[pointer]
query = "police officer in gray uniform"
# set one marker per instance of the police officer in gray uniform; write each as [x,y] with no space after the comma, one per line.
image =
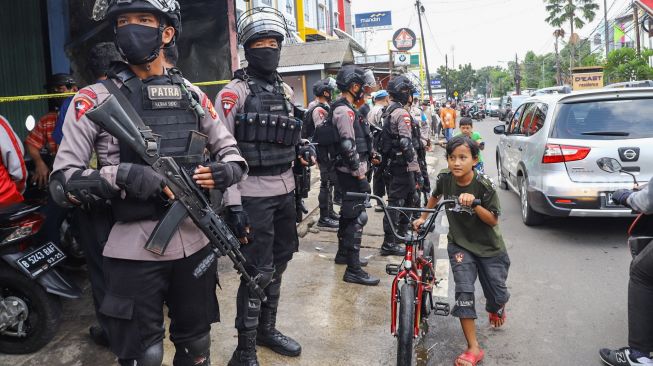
[399,151]
[353,155]
[139,282]
[316,113]
[256,107]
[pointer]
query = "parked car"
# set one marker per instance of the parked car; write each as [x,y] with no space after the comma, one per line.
[492,107]
[547,152]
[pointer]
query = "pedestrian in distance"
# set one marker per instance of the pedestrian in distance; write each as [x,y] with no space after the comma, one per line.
[467,129]
[138,281]
[448,117]
[475,245]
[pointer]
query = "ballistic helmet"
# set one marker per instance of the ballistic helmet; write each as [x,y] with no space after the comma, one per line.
[400,88]
[324,85]
[350,74]
[169,9]
[61,79]
[263,22]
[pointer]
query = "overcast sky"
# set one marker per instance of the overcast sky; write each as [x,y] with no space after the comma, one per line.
[482,32]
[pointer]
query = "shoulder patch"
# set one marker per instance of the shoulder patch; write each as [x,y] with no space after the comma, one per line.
[88,92]
[206,103]
[82,105]
[352,115]
[407,120]
[228,100]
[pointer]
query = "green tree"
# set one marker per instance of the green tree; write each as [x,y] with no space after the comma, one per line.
[575,12]
[623,64]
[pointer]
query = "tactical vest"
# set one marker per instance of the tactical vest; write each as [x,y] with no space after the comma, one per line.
[389,141]
[164,108]
[265,132]
[308,127]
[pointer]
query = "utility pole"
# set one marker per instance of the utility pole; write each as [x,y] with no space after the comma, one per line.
[605,21]
[636,20]
[446,77]
[420,9]
[517,76]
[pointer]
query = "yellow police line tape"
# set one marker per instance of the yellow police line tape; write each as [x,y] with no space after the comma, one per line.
[23,98]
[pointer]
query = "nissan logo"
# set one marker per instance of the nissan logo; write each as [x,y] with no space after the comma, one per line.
[630,154]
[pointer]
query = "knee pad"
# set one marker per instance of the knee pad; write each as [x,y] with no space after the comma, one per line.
[361,220]
[152,356]
[194,353]
[248,309]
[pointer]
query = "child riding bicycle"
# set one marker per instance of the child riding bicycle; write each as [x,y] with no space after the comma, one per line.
[476,247]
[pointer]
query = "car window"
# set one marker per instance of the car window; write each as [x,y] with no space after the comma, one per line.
[605,120]
[533,119]
[515,120]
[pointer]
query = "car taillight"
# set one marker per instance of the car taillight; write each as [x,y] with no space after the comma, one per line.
[555,153]
[22,229]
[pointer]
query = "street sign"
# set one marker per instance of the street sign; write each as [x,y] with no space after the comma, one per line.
[436,83]
[376,20]
[402,58]
[455,94]
[404,39]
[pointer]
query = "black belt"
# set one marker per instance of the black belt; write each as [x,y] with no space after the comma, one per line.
[268,170]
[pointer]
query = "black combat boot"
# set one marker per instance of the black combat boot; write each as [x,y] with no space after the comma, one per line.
[267,334]
[341,258]
[245,353]
[333,215]
[326,221]
[355,274]
[390,248]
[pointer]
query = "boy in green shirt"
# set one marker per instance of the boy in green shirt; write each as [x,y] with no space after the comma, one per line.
[467,129]
[476,247]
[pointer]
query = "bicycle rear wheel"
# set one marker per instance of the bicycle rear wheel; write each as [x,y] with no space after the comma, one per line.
[406,327]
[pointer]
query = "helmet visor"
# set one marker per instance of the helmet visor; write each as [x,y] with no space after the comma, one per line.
[101,7]
[261,21]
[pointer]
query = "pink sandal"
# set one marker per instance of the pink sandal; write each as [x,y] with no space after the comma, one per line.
[469,357]
[499,315]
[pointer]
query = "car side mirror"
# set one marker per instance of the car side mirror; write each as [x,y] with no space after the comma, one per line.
[609,165]
[500,130]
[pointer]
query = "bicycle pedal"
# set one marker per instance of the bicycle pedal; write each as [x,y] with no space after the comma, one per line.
[441,308]
[392,269]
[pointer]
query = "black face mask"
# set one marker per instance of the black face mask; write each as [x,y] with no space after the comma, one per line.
[139,44]
[264,60]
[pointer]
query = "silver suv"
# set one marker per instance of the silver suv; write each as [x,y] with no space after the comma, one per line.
[548,150]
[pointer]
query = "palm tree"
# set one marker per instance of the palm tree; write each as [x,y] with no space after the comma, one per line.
[576,12]
[559,33]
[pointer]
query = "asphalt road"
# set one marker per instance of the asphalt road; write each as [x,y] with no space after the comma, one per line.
[568,282]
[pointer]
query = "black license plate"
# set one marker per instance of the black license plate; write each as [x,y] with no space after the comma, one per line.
[40,260]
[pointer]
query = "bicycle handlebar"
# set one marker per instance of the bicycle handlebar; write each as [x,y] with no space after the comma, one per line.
[426,228]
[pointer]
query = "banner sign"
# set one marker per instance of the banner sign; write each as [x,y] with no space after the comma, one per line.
[587,80]
[376,20]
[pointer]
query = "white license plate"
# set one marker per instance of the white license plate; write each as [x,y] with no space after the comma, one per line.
[40,260]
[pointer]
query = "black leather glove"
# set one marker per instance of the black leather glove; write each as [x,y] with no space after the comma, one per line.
[307,152]
[140,181]
[620,196]
[237,220]
[226,174]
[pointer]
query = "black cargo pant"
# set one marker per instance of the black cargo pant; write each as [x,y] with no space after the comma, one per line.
[93,227]
[352,218]
[272,242]
[380,180]
[640,301]
[401,193]
[136,292]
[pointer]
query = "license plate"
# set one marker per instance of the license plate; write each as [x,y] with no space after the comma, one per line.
[40,260]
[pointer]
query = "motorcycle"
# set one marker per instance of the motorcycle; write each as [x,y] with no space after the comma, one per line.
[640,233]
[31,287]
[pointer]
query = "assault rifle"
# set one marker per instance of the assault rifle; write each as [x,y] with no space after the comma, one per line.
[125,124]
[302,184]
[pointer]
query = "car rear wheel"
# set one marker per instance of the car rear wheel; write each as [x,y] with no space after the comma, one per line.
[528,216]
[503,184]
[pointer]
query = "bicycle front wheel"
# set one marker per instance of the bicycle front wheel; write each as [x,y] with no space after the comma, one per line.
[406,325]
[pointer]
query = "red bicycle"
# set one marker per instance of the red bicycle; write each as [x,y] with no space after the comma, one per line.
[411,300]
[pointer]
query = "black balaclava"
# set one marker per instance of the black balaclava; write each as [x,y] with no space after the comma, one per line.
[263,62]
[139,44]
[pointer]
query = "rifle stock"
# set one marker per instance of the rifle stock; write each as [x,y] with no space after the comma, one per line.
[123,124]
